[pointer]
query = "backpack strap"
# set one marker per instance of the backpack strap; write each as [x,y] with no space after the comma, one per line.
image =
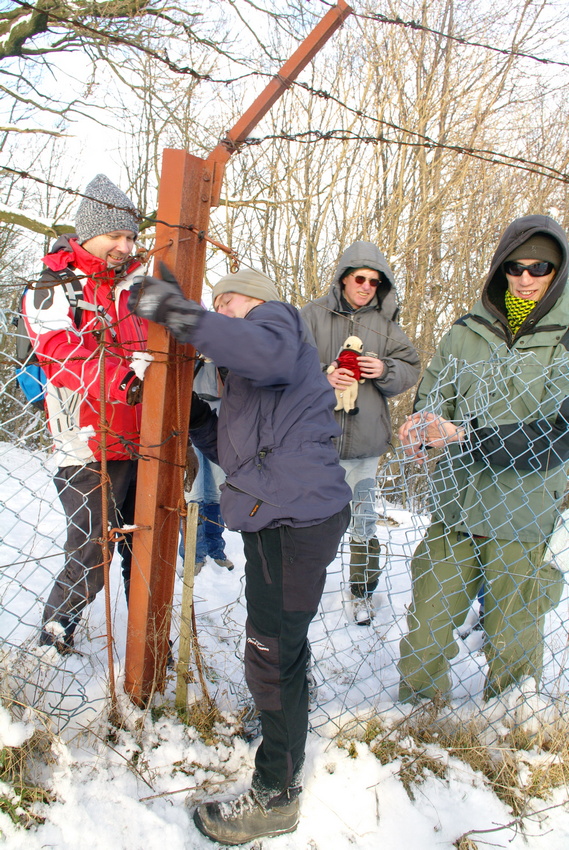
[565,339]
[74,293]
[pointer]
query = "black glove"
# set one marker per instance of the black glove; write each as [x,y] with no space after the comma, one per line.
[200,411]
[134,392]
[151,298]
[163,301]
[133,386]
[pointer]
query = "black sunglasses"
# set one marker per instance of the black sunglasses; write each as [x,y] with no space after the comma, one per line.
[360,278]
[535,270]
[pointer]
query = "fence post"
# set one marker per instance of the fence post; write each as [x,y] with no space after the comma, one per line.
[184,199]
[185,643]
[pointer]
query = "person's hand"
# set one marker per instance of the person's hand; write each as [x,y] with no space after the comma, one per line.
[340,379]
[371,367]
[411,437]
[440,432]
[427,430]
[134,392]
[163,301]
[152,298]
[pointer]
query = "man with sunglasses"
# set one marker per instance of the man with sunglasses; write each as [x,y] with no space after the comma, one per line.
[362,302]
[495,401]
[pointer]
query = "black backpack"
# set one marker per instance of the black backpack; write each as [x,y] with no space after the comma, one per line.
[29,374]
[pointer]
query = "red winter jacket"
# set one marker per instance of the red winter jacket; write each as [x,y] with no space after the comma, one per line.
[72,357]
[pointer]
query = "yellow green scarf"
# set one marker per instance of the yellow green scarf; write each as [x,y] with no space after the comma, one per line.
[517,309]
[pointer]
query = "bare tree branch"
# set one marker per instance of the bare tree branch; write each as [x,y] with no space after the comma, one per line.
[7,128]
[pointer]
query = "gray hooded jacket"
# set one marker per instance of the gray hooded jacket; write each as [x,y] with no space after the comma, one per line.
[331,320]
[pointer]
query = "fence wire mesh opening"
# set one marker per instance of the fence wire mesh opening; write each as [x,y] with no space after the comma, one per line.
[355,670]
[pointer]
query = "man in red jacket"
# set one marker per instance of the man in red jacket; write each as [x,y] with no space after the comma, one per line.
[98,344]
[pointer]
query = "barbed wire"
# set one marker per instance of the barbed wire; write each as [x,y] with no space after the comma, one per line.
[162,56]
[144,254]
[310,136]
[427,141]
[313,136]
[493,157]
[415,25]
[74,192]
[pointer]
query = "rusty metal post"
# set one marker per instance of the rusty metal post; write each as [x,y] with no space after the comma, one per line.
[185,198]
[189,187]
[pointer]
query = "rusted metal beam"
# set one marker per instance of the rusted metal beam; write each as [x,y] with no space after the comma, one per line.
[189,187]
[185,197]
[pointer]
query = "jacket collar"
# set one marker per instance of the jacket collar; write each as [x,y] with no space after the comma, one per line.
[68,252]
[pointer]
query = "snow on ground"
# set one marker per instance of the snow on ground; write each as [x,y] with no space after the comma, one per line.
[108,800]
[137,787]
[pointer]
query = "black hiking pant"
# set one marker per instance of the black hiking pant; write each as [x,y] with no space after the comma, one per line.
[80,492]
[285,571]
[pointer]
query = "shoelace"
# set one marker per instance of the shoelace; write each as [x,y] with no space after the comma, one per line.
[239,806]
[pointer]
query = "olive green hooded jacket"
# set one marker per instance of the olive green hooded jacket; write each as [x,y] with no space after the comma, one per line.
[508,477]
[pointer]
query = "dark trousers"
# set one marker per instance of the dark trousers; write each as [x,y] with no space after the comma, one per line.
[285,571]
[80,492]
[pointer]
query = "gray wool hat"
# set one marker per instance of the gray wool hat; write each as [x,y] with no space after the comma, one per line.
[250,282]
[105,209]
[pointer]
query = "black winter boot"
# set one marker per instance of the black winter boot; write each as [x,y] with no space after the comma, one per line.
[364,578]
[59,633]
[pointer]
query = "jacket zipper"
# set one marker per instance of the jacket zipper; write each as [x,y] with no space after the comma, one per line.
[257,504]
[343,415]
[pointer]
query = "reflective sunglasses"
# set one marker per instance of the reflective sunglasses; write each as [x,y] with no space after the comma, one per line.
[535,270]
[361,278]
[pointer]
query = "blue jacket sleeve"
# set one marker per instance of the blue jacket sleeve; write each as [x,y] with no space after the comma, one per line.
[263,347]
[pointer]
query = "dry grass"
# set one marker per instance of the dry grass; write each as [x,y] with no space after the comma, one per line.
[15,770]
[203,715]
[523,767]
[416,763]
[465,843]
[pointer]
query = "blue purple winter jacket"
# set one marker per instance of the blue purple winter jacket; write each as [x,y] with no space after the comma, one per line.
[274,435]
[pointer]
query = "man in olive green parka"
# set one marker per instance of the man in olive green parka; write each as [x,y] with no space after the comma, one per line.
[495,401]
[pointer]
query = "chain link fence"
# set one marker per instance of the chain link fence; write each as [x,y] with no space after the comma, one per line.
[354,669]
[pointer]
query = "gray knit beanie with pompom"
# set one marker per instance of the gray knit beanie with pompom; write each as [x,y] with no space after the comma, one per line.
[105,209]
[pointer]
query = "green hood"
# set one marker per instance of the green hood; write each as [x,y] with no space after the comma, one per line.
[495,285]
